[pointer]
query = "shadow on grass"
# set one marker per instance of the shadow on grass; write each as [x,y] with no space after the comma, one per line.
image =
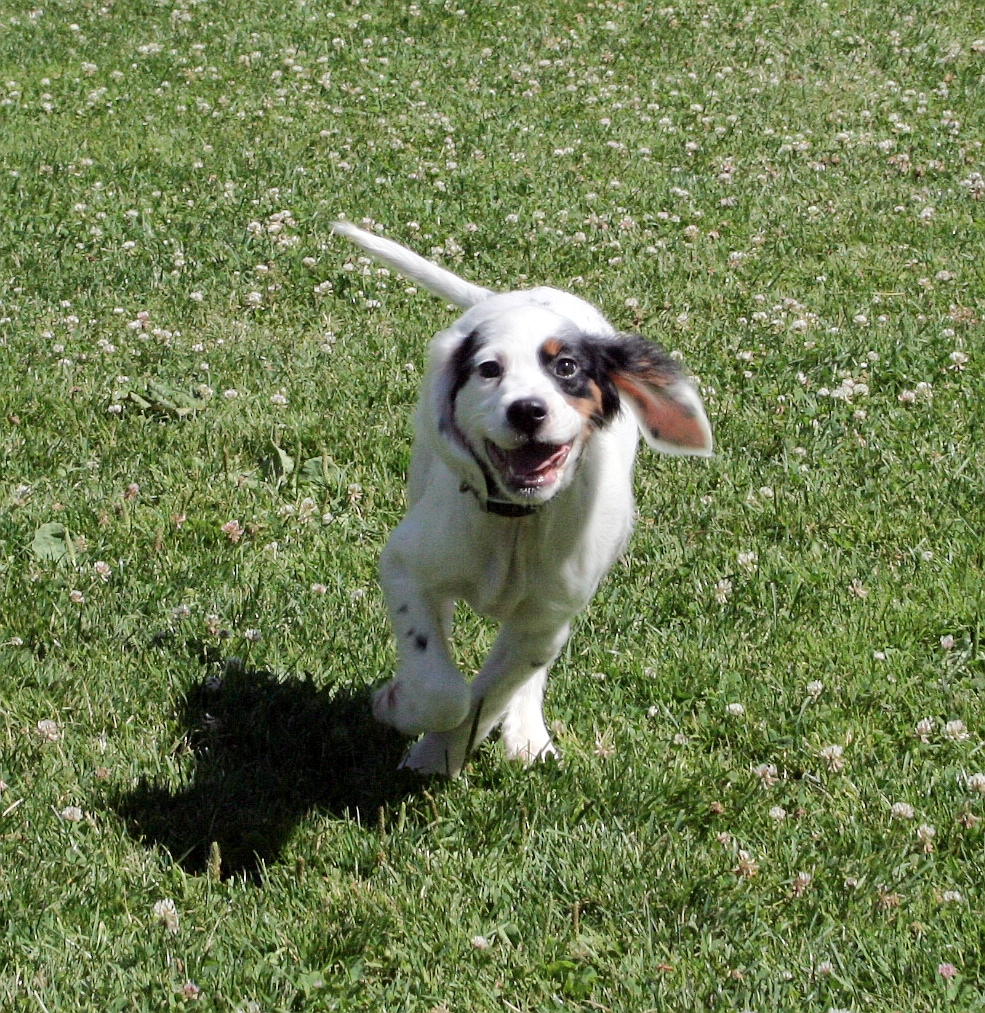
[268,752]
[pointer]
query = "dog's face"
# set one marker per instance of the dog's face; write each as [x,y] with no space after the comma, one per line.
[521,394]
[523,400]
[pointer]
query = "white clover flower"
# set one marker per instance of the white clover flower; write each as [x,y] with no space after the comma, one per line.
[166,913]
[924,729]
[49,731]
[902,811]
[747,867]
[777,813]
[72,813]
[735,710]
[767,774]
[955,731]
[815,688]
[834,757]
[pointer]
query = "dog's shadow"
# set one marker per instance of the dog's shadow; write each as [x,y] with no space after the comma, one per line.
[267,752]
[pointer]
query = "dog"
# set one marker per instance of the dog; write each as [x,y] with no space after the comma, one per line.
[520,499]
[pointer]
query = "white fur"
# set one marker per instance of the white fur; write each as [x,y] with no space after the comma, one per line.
[533,574]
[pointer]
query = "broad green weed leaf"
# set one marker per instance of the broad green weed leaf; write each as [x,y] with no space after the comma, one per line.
[319,471]
[277,465]
[52,542]
[154,396]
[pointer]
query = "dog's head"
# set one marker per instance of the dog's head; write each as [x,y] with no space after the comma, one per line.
[517,389]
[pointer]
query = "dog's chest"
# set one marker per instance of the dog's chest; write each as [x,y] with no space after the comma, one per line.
[538,565]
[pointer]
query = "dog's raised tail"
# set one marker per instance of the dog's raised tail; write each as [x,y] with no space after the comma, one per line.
[436,279]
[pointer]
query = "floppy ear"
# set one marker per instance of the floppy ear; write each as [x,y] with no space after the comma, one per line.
[450,363]
[668,409]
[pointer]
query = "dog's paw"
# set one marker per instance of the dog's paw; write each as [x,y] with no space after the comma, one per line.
[411,710]
[529,748]
[432,755]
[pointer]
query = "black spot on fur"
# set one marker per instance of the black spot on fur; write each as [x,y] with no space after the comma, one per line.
[403,610]
[421,642]
[536,664]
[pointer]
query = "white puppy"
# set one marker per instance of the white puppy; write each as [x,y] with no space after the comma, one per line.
[520,499]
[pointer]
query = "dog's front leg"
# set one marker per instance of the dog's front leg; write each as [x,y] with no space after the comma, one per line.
[510,689]
[428,693]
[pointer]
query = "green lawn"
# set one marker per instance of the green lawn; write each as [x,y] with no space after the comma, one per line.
[772,716]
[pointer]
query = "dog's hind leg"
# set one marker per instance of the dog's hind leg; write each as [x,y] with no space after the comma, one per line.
[525,736]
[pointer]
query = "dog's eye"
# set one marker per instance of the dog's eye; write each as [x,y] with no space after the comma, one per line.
[565,367]
[489,370]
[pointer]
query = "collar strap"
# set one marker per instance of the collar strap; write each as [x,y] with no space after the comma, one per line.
[500,507]
[504,509]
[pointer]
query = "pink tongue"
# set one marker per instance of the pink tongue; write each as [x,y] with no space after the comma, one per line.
[533,458]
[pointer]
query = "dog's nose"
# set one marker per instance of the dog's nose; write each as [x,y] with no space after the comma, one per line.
[527,415]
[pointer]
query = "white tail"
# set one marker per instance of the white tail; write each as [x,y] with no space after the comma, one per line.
[436,279]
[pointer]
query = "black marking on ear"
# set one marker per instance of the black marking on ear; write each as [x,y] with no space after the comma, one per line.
[458,369]
[421,642]
[634,354]
[403,610]
[627,355]
[461,363]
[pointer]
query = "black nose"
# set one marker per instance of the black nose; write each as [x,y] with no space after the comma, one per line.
[527,415]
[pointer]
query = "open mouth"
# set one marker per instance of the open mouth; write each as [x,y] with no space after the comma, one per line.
[531,466]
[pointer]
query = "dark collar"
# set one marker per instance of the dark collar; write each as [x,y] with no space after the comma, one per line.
[503,508]
[500,507]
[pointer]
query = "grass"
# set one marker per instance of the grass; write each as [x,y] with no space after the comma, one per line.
[790,195]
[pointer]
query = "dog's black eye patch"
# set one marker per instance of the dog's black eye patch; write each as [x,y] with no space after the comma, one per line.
[581,374]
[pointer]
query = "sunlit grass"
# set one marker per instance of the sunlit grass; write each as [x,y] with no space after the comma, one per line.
[771,716]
